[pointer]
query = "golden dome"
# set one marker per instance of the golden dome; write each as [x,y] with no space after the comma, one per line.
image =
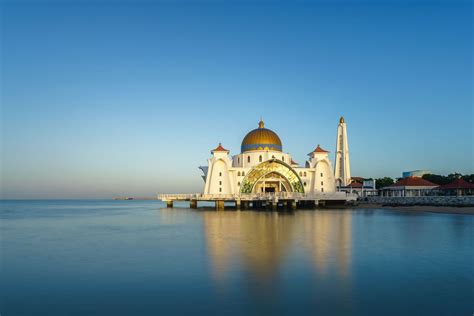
[261,138]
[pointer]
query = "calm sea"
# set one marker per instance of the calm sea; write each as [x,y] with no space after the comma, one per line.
[140,258]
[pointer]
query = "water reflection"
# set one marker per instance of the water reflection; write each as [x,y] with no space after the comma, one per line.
[79,258]
[260,242]
[328,240]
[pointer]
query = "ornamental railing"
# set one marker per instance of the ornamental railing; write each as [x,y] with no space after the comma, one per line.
[260,196]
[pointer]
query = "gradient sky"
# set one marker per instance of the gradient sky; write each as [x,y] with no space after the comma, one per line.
[102,99]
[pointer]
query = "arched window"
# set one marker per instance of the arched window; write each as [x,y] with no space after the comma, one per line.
[305,173]
[238,173]
[248,158]
[321,174]
[220,182]
[243,173]
[260,158]
[304,183]
[220,189]
[322,189]
[238,183]
[238,160]
[322,183]
[301,174]
[220,174]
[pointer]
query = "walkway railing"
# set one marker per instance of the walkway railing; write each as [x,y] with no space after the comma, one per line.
[259,196]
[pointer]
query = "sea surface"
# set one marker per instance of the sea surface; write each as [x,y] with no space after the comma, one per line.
[140,258]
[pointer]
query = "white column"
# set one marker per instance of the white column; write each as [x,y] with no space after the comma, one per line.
[342,169]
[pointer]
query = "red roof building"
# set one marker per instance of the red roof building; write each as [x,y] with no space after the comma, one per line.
[355,185]
[458,187]
[357,179]
[457,184]
[410,186]
[413,182]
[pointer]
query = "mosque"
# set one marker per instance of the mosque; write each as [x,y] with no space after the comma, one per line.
[263,167]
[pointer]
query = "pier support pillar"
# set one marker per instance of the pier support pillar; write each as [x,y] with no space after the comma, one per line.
[193,204]
[291,204]
[322,203]
[244,204]
[219,205]
[272,205]
[169,204]
[238,204]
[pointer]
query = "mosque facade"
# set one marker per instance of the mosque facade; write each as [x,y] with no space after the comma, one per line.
[263,167]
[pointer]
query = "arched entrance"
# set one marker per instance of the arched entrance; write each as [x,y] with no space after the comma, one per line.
[272,182]
[272,176]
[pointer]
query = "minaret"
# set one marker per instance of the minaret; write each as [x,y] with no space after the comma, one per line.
[342,171]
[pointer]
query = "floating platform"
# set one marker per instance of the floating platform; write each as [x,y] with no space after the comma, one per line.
[289,200]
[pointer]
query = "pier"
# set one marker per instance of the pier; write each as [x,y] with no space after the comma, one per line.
[269,200]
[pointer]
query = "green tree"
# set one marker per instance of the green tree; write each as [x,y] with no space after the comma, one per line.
[437,179]
[383,182]
[468,178]
[454,176]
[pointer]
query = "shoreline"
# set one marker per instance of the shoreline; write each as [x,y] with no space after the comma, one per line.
[463,210]
[466,210]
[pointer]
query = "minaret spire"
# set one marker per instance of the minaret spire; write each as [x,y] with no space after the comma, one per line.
[342,171]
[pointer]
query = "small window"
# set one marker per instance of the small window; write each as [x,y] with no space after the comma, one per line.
[322,183]
[238,173]
[282,158]
[238,184]
[238,160]
[305,173]
[248,159]
[220,189]
[220,182]
[304,183]
[243,173]
[322,174]
[301,174]
[220,174]
[260,158]
[322,189]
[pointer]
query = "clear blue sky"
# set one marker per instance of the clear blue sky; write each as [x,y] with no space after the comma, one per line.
[127,98]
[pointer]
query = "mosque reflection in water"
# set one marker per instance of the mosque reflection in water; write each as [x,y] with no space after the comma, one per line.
[262,243]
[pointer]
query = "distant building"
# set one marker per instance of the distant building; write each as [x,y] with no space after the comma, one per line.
[409,186]
[415,173]
[457,187]
[360,187]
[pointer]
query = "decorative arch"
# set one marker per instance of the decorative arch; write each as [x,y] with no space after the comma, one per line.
[269,166]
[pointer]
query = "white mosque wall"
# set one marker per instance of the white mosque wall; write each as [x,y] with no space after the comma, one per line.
[324,177]
[225,174]
[218,180]
[250,159]
[223,177]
